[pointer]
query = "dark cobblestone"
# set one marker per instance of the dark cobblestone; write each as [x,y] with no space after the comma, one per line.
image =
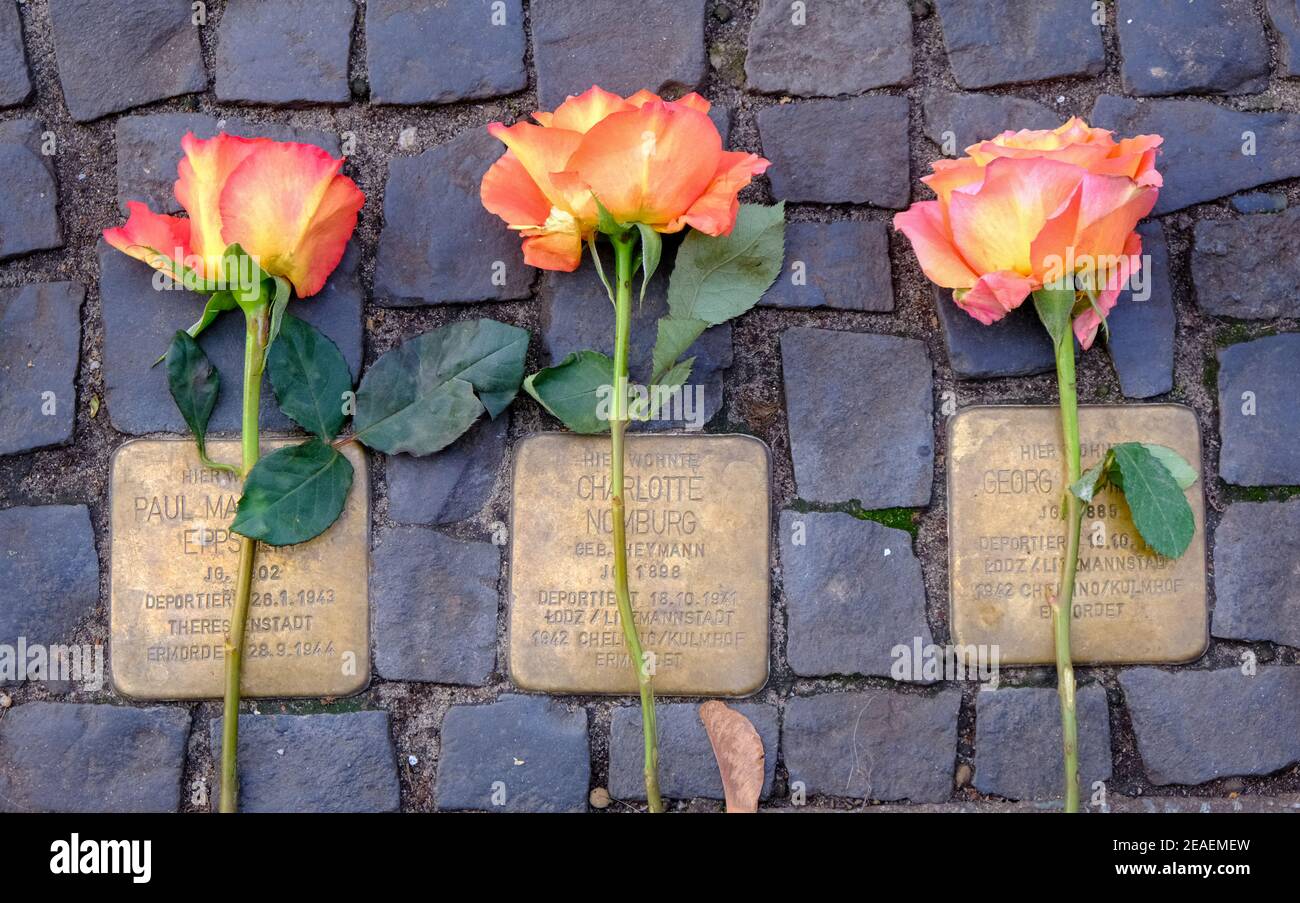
[1261,433]
[529,752]
[40,341]
[117,54]
[1194,726]
[1241,267]
[1257,572]
[844,265]
[1156,37]
[969,118]
[417,52]
[15,82]
[284,51]
[999,42]
[877,744]
[29,217]
[1016,345]
[60,757]
[435,607]
[838,151]
[687,766]
[1141,341]
[623,47]
[853,591]
[312,763]
[1285,18]
[1018,742]
[439,245]
[452,485]
[835,48]
[860,417]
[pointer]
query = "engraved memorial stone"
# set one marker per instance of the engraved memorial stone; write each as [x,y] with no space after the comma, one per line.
[173,577]
[698,535]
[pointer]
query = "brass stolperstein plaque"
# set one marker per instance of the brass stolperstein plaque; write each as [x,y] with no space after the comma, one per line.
[697,510]
[1006,540]
[173,575]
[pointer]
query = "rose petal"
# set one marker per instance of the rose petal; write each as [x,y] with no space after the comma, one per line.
[289,208]
[508,191]
[714,212]
[580,113]
[541,151]
[204,171]
[554,251]
[994,296]
[155,238]
[942,263]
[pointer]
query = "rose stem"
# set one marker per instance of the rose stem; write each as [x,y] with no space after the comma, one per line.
[623,247]
[1062,603]
[256,333]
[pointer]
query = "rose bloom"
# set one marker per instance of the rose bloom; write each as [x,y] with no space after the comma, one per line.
[285,204]
[647,160]
[1027,208]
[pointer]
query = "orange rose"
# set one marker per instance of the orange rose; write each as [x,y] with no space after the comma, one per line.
[285,204]
[646,160]
[1027,208]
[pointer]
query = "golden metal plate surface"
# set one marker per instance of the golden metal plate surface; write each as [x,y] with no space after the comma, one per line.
[698,515]
[173,575]
[1006,540]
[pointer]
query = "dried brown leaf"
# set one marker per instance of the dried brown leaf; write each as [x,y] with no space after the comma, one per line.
[739,752]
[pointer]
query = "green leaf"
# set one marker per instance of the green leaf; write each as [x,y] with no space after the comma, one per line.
[716,279]
[1182,472]
[660,393]
[652,249]
[671,341]
[278,303]
[600,269]
[1054,306]
[605,220]
[1160,510]
[218,303]
[194,384]
[571,390]
[421,396]
[294,494]
[1092,482]
[309,377]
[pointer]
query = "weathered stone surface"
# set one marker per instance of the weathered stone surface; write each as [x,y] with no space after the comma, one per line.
[623,47]
[838,151]
[1285,17]
[118,54]
[439,244]
[968,118]
[877,744]
[453,484]
[1259,202]
[860,417]
[149,149]
[50,573]
[1204,156]
[1257,572]
[29,217]
[1018,742]
[843,265]
[1245,267]
[998,42]
[1176,47]
[284,51]
[1141,342]
[15,82]
[139,323]
[580,316]
[313,763]
[60,757]
[530,748]
[434,600]
[687,766]
[421,52]
[1195,726]
[835,48]
[40,342]
[1016,345]
[853,591]
[1257,412]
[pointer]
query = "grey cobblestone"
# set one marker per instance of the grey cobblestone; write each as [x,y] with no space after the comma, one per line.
[61,757]
[284,51]
[1240,267]
[312,763]
[998,42]
[1257,572]
[453,484]
[15,82]
[1141,341]
[844,265]
[29,218]
[40,343]
[1231,50]
[1261,434]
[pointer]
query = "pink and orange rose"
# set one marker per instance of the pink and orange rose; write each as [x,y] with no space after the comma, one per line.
[1028,208]
[646,160]
[287,205]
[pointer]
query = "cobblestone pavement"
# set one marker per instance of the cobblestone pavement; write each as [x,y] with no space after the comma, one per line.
[95,95]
